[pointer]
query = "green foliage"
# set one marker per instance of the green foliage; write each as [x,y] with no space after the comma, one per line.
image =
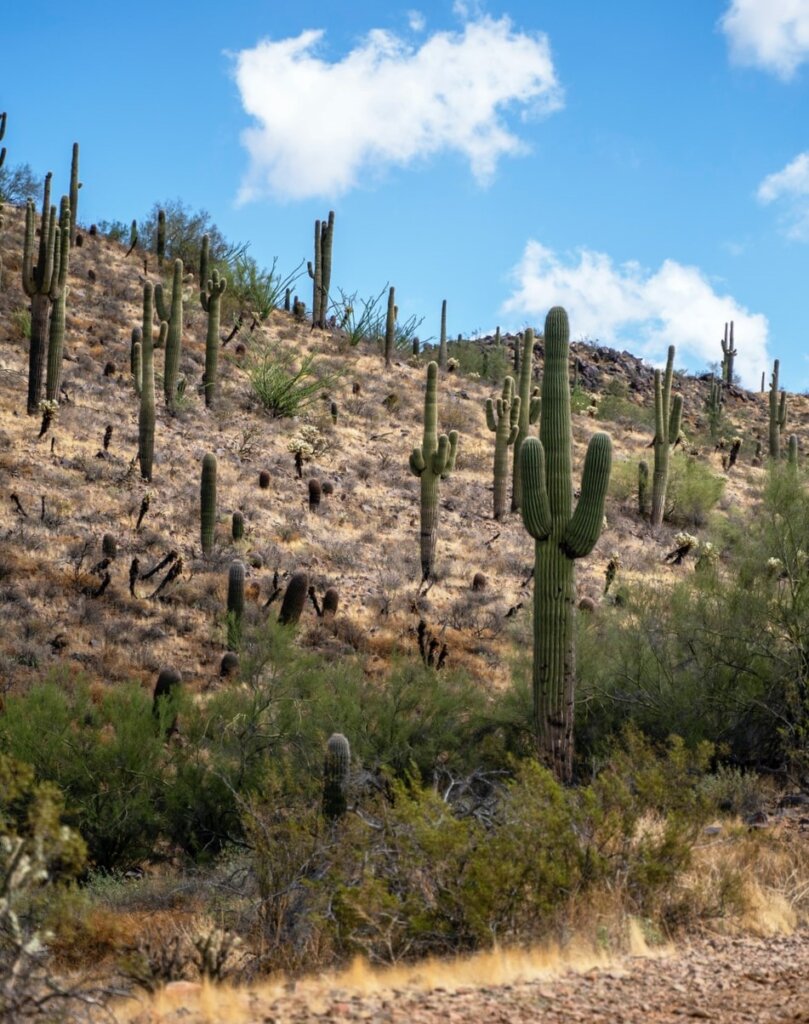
[473,359]
[115,230]
[21,322]
[18,184]
[282,389]
[184,232]
[361,319]
[693,490]
[256,292]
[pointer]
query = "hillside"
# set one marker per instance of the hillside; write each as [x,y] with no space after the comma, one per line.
[215,822]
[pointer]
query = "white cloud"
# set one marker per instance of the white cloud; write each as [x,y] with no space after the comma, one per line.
[769,34]
[789,188]
[323,125]
[416,21]
[627,306]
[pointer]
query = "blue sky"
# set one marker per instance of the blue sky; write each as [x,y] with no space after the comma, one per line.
[645,165]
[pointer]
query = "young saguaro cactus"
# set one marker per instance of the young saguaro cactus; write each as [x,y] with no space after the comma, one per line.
[235,604]
[529,410]
[714,406]
[174,338]
[146,417]
[43,283]
[502,417]
[561,535]
[390,326]
[442,344]
[213,298]
[161,237]
[75,185]
[668,416]
[207,502]
[729,353]
[336,776]
[778,413]
[433,462]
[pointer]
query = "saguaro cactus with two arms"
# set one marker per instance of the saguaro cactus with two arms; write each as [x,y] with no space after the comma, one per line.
[668,416]
[778,413]
[502,417]
[729,353]
[211,298]
[433,462]
[174,316]
[561,535]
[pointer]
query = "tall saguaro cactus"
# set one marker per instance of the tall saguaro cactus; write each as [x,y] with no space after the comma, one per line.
[174,338]
[75,185]
[390,326]
[561,535]
[433,462]
[2,161]
[42,282]
[320,270]
[442,344]
[56,335]
[529,410]
[146,416]
[778,413]
[211,298]
[668,416]
[207,502]
[502,417]
[729,353]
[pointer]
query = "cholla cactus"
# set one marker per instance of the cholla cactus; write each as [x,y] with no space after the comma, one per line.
[611,571]
[308,442]
[707,557]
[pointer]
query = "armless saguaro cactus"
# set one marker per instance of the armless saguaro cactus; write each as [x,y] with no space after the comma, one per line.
[75,185]
[146,417]
[729,353]
[207,502]
[442,344]
[561,535]
[235,604]
[390,326]
[502,417]
[56,334]
[336,776]
[174,338]
[211,298]
[433,462]
[668,416]
[42,282]
[778,413]
[529,409]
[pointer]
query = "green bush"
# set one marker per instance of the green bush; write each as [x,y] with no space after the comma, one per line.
[282,389]
[693,490]
[487,362]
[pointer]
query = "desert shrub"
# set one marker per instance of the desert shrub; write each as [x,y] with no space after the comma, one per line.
[617,408]
[256,292]
[488,362]
[21,322]
[693,490]
[184,232]
[19,184]
[282,389]
[624,481]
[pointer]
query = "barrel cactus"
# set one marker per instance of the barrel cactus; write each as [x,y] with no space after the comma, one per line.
[433,462]
[294,599]
[561,535]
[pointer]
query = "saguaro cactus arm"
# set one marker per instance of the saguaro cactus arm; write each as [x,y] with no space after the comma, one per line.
[584,527]
[536,509]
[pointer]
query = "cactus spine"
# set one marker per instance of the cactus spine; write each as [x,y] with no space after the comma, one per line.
[146,418]
[442,345]
[235,604]
[212,302]
[56,336]
[207,502]
[529,409]
[390,326]
[778,413]
[42,282]
[502,417]
[668,416]
[561,535]
[336,776]
[75,185]
[729,353]
[433,462]
[174,338]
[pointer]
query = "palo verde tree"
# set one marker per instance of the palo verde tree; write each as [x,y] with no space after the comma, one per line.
[561,535]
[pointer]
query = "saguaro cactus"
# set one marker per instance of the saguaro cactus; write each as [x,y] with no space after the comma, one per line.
[643,489]
[778,413]
[442,345]
[729,353]
[320,270]
[561,535]
[42,282]
[668,416]
[56,334]
[146,418]
[529,409]
[336,776]
[502,417]
[75,185]
[235,604]
[792,451]
[207,502]
[294,599]
[714,406]
[161,237]
[433,462]
[174,338]
[390,326]
[211,298]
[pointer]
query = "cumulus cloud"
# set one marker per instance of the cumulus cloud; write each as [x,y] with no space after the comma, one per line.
[625,305]
[789,188]
[769,34]
[322,125]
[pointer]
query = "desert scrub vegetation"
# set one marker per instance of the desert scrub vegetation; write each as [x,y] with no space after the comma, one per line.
[284,388]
